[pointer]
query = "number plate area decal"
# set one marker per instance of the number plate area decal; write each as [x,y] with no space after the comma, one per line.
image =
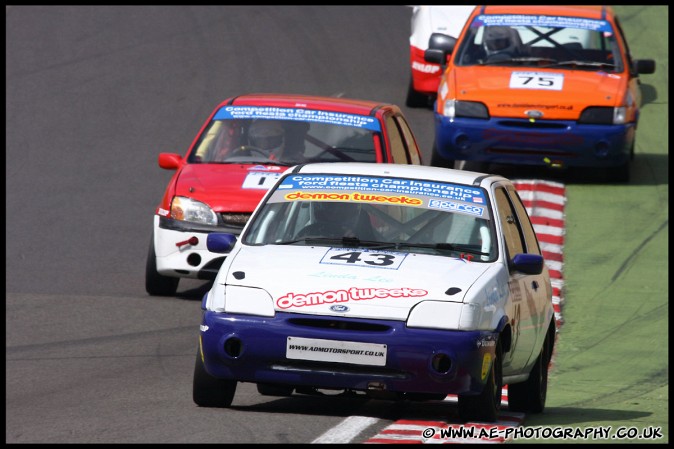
[363,258]
[336,351]
[536,80]
[260,180]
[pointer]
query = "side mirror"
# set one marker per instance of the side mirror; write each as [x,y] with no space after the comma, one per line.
[170,161]
[439,41]
[644,66]
[440,46]
[220,242]
[435,56]
[528,263]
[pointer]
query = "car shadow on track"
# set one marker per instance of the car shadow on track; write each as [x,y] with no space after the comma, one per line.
[646,169]
[573,416]
[192,289]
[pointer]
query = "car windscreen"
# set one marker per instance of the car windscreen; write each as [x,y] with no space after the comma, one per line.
[573,43]
[399,214]
[287,136]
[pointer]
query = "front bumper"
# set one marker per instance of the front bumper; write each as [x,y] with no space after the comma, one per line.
[182,252]
[427,361]
[558,144]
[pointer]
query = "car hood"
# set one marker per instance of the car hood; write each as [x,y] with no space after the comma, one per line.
[490,85]
[304,279]
[227,187]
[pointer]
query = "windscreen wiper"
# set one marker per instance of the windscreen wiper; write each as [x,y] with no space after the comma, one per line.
[439,246]
[346,241]
[575,62]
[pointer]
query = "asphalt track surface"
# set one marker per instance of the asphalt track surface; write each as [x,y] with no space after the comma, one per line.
[94,93]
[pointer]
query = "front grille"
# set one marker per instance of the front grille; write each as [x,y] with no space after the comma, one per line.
[339,324]
[338,368]
[539,124]
[530,152]
[234,220]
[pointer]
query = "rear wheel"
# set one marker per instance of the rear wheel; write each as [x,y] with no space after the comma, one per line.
[438,161]
[157,284]
[209,391]
[486,405]
[529,396]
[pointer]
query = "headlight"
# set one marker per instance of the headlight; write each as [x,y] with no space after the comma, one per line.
[187,209]
[470,109]
[249,301]
[447,315]
[435,315]
[603,116]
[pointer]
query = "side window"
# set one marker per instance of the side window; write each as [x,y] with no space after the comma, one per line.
[512,233]
[413,149]
[398,150]
[527,228]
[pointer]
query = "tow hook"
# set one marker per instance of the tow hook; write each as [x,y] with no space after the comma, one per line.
[191,241]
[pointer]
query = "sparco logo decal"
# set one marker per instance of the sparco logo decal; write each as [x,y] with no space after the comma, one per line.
[351,294]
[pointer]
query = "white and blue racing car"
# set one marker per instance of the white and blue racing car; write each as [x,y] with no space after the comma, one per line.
[395,281]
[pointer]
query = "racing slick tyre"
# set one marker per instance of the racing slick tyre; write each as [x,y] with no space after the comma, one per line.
[155,283]
[529,396]
[485,406]
[416,99]
[620,174]
[439,161]
[274,390]
[482,167]
[209,391]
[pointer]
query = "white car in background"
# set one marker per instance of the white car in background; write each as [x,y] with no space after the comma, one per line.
[439,22]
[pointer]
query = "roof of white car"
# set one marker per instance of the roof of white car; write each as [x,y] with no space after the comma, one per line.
[398,170]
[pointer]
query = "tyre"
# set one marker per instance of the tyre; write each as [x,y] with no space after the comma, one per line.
[416,99]
[209,391]
[620,174]
[155,283]
[529,396]
[485,406]
[481,167]
[274,390]
[439,161]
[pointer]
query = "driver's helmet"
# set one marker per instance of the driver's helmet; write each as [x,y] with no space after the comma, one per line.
[498,39]
[267,135]
[340,213]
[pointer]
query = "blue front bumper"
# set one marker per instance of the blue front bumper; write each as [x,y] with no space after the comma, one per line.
[253,349]
[539,143]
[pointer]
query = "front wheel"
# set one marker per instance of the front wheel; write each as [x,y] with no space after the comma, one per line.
[485,406]
[209,391]
[619,174]
[438,161]
[157,284]
[529,396]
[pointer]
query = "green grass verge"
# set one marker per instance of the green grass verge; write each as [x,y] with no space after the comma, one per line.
[612,361]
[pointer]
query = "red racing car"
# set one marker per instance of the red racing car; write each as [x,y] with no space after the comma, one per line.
[239,153]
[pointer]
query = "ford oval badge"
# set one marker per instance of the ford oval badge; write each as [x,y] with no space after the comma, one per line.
[339,308]
[532,113]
